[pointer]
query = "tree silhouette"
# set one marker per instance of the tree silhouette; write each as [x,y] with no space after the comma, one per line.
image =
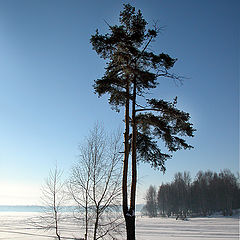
[131,71]
[209,193]
[151,201]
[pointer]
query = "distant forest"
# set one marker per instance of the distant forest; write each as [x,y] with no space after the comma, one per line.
[210,192]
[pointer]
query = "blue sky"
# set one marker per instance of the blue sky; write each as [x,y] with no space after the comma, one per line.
[47,68]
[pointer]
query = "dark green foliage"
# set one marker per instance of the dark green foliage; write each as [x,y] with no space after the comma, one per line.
[131,71]
[151,202]
[148,151]
[126,48]
[210,192]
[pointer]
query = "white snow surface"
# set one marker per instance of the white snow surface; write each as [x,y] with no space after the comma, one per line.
[15,226]
[213,228]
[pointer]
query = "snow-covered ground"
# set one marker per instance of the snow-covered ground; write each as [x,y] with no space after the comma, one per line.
[14,226]
[213,228]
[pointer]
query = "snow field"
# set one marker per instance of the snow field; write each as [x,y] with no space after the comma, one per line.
[16,226]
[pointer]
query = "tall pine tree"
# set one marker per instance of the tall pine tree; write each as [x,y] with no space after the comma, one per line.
[131,71]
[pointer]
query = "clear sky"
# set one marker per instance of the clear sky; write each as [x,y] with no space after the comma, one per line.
[47,68]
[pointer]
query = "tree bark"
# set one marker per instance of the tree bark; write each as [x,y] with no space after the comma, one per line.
[130,226]
[96,225]
[131,220]
[126,153]
[56,222]
[134,155]
[55,208]
[86,211]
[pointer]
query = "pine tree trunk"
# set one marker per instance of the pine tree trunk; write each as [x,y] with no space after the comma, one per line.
[126,153]
[130,213]
[130,223]
[130,226]
[134,149]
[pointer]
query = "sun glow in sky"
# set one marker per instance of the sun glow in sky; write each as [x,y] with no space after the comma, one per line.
[19,194]
[47,68]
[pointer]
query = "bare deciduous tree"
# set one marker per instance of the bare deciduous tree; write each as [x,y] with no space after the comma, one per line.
[53,198]
[95,184]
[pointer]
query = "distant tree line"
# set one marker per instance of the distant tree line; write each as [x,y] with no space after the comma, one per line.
[210,192]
